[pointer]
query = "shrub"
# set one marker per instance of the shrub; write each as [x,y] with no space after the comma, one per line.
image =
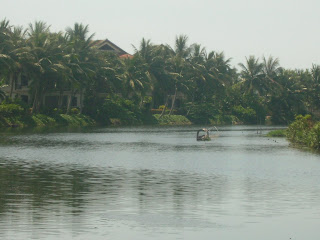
[75,111]
[299,129]
[304,131]
[172,120]
[221,119]
[156,111]
[246,115]
[277,133]
[314,136]
[201,113]
[159,110]
[43,120]
[57,111]
[115,107]
[75,120]
[9,110]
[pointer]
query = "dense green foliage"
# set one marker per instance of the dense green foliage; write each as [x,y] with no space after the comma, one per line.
[119,108]
[201,113]
[17,114]
[277,133]
[305,131]
[172,120]
[10,110]
[247,115]
[185,79]
[41,120]
[14,114]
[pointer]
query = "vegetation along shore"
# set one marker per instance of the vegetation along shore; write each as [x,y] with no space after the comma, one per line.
[68,77]
[304,132]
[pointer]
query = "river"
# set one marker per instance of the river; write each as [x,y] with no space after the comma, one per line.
[142,183]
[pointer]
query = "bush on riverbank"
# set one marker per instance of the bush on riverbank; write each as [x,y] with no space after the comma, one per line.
[305,132]
[77,120]
[208,113]
[277,133]
[41,120]
[10,110]
[200,113]
[246,115]
[114,109]
[12,121]
[221,119]
[172,120]
[14,115]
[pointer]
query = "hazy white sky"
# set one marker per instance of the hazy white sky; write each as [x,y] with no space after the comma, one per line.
[287,29]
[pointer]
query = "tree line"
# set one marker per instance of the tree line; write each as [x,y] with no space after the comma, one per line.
[180,79]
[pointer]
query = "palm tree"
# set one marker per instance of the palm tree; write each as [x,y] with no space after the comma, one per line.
[155,59]
[81,59]
[2,94]
[271,67]
[14,53]
[7,63]
[38,35]
[47,63]
[145,50]
[181,49]
[252,75]
[221,73]
[147,56]
[271,70]
[177,67]
[197,73]
[135,80]
[289,100]
[159,74]
[313,87]
[20,54]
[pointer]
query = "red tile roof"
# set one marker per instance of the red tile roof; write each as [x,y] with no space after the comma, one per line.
[126,56]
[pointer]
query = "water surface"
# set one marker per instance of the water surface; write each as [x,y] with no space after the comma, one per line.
[157,183]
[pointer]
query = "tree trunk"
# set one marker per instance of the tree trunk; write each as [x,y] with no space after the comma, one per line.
[69,102]
[165,107]
[11,83]
[173,101]
[34,105]
[40,101]
[81,100]
[190,105]
[141,102]
[189,109]
[60,99]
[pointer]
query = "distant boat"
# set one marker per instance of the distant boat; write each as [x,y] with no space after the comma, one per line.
[203,134]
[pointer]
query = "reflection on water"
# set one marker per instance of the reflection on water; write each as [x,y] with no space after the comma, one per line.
[142,183]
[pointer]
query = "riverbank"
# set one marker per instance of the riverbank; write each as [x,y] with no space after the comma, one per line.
[305,132]
[15,116]
[79,120]
[172,120]
[277,133]
[41,120]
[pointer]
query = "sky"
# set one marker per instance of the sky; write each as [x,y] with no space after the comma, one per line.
[285,29]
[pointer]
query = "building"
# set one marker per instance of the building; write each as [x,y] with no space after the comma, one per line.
[51,99]
[107,45]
